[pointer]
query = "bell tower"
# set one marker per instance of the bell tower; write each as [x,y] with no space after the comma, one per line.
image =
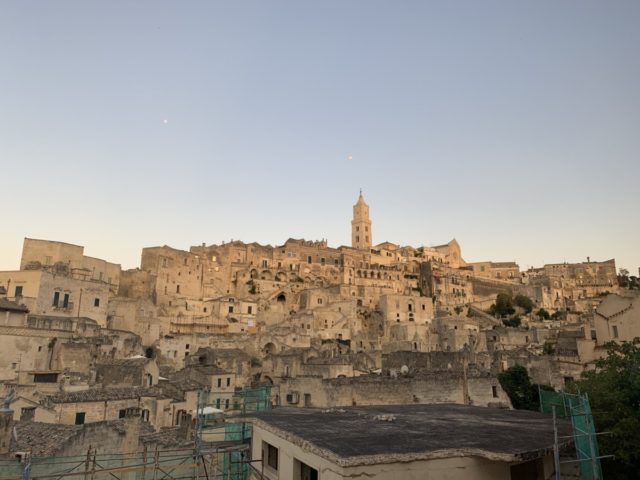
[361,225]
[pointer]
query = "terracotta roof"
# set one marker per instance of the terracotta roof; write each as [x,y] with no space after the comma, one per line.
[125,362]
[102,394]
[43,439]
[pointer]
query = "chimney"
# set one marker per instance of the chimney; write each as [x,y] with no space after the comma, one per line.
[131,439]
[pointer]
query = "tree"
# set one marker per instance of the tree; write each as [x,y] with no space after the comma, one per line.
[503,305]
[543,314]
[512,322]
[623,278]
[548,348]
[614,393]
[524,302]
[517,385]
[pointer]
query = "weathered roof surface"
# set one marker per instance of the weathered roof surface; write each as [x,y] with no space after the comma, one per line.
[613,304]
[136,362]
[102,394]
[360,435]
[166,437]
[8,305]
[42,439]
[48,439]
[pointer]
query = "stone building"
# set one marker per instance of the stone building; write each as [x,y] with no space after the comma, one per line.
[559,285]
[498,270]
[12,314]
[617,319]
[137,371]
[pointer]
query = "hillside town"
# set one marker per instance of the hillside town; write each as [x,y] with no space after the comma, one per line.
[303,336]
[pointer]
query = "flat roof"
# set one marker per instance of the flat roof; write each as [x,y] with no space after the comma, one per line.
[383,434]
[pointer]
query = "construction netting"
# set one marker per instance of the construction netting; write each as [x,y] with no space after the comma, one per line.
[253,399]
[577,408]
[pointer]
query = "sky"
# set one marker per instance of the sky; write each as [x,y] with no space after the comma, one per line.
[513,127]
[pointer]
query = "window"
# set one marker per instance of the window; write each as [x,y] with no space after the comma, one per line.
[96,302]
[303,471]
[219,382]
[145,415]
[65,301]
[357,238]
[228,381]
[249,309]
[177,288]
[322,261]
[56,298]
[18,291]
[80,418]
[27,413]
[319,301]
[271,454]
[226,403]
[357,229]
[230,308]
[615,331]
[309,259]
[122,413]
[187,346]
[45,377]
[494,391]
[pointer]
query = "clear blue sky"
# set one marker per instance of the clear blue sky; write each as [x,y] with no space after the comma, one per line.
[512,126]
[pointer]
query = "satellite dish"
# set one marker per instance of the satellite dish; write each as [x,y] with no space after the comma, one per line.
[404,370]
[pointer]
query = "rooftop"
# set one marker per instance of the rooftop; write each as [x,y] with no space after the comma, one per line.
[8,305]
[380,434]
[125,362]
[102,394]
[42,439]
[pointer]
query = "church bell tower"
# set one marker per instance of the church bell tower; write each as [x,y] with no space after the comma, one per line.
[361,225]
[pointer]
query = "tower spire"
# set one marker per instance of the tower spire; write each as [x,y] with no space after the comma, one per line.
[361,225]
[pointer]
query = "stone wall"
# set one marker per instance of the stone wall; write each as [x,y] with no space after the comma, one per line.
[381,390]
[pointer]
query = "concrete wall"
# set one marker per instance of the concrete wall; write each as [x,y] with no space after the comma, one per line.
[455,468]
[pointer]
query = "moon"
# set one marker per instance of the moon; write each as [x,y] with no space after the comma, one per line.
[350,157]
[165,121]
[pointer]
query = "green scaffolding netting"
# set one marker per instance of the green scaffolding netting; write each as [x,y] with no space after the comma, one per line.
[236,466]
[577,408]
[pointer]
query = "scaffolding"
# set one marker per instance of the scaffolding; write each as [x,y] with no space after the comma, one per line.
[578,410]
[154,464]
[221,451]
[236,464]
